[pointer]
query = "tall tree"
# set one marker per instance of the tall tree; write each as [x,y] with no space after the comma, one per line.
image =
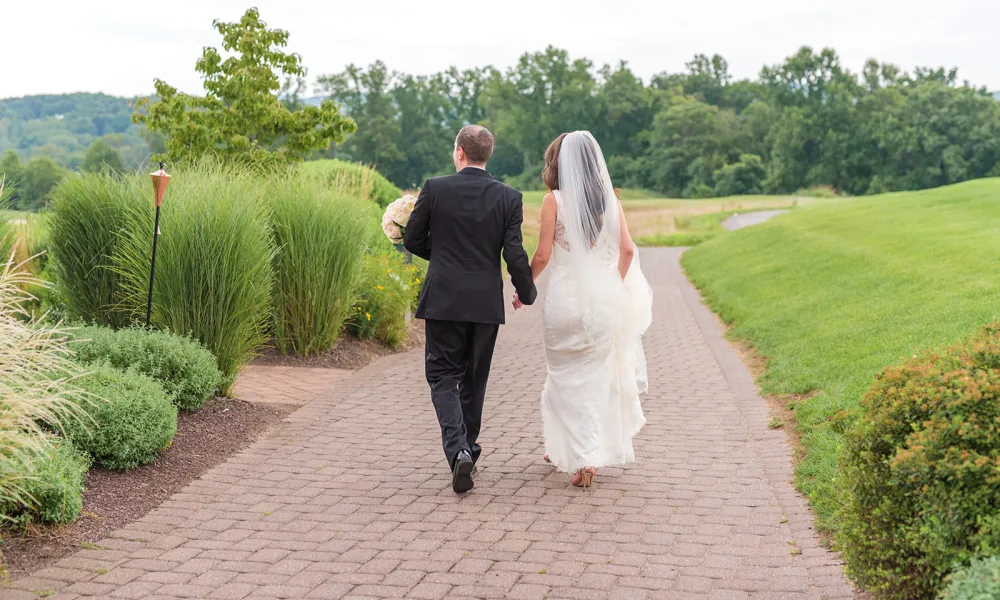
[12,174]
[100,156]
[41,174]
[240,118]
[366,95]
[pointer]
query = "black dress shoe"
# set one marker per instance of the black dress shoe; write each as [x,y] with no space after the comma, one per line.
[461,475]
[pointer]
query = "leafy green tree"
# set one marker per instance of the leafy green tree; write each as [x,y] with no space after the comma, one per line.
[100,156]
[544,95]
[366,96]
[740,178]
[41,174]
[689,141]
[12,174]
[625,110]
[241,118]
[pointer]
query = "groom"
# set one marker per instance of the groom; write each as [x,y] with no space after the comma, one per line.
[462,223]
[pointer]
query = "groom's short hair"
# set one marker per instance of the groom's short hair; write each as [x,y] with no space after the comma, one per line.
[477,141]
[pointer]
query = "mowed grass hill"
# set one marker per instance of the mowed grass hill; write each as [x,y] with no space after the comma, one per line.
[832,293]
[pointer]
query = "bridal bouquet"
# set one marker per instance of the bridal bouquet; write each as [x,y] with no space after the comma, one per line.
[396,216]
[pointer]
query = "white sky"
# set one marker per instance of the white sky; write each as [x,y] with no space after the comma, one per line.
[119,46]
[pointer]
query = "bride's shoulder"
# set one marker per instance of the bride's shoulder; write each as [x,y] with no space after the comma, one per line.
[550,197]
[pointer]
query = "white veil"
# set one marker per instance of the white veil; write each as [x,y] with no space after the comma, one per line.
[589,210]
[590,214]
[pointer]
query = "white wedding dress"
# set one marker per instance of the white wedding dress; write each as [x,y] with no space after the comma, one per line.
[593,323]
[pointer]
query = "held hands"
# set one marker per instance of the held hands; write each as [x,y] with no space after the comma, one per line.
[517,302]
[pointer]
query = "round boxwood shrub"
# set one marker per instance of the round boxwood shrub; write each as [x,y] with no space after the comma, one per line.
[53,481]
[920,476]
[978,581]
[185,368]
[132,420]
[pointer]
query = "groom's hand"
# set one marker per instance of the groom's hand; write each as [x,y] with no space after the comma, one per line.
[517,302]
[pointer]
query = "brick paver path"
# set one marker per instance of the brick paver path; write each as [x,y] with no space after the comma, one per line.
[286,385]
[351,498]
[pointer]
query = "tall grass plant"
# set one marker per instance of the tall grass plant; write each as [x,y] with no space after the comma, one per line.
[38,389]
[321,236]
[89,216]
[214,264]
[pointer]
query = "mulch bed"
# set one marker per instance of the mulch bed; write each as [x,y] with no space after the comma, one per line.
[205,438]
[349,353]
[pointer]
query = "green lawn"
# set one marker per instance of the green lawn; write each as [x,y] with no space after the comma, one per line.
[831,294]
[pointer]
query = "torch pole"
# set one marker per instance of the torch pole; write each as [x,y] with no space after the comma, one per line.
[160,181]
[152,267]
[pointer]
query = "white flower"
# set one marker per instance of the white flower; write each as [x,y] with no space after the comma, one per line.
[401,209]
[393,232]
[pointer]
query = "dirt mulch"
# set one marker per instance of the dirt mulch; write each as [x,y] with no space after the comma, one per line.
[205,438]
[349,353]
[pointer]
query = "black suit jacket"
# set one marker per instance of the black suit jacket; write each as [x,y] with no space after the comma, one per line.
[462,224]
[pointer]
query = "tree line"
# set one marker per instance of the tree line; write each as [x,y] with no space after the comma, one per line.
[805,122]
[808,121]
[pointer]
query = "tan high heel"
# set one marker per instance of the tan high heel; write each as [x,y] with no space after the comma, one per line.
[584,478]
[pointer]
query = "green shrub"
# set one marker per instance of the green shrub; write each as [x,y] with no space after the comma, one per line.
[978,581]
[353,179]
[53,479]
[920,476]
[133,423]
[214,274]
[184,367]
[88,214]
[321,236]
[384,296]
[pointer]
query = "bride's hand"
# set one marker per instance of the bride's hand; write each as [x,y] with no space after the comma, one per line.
[517,302]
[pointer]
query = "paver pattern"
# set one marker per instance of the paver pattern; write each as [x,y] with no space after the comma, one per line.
[350,498]
[286,385]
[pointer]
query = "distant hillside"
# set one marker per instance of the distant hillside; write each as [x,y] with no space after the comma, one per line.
[63,126]
[996,95]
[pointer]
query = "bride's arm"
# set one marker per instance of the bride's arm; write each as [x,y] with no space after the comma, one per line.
[546,236]
[627,250]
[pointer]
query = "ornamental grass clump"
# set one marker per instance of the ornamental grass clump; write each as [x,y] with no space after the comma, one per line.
[321,236]
[87,221]
[214,263]
[39,394]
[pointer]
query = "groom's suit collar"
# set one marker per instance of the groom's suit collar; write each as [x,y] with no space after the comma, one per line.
[480,172]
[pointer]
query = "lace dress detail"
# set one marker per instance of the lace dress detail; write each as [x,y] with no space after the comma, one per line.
[560,233]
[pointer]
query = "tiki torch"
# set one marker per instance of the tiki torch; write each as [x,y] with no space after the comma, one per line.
[160,181]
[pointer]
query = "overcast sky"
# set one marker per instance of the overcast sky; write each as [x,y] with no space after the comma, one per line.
[118,46]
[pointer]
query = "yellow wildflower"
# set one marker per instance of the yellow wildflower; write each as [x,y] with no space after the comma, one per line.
[369,315]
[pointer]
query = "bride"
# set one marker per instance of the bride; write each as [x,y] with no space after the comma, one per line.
[597,307]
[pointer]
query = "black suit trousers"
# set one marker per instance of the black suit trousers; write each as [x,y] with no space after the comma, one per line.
[458,357]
